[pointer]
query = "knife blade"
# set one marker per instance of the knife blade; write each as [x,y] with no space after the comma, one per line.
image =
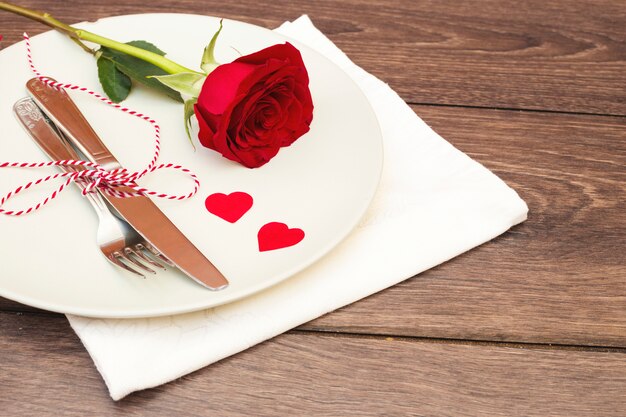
[140,212]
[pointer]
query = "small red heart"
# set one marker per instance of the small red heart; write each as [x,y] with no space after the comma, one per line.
[229,207]
[276,235]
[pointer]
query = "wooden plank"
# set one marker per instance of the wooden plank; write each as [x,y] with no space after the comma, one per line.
[489,53]
[558,277]
[45,370]
[13,306]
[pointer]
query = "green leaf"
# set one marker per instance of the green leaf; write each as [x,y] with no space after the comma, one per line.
[188,84]
[208,58]
[147,46]
[139,70]
[189,104]
[115,84]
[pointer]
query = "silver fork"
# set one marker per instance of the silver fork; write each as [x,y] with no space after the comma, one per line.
[118,241]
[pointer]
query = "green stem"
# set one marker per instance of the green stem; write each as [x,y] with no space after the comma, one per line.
[165,64]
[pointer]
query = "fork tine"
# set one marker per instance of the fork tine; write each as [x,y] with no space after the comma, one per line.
[158,254]
[113,258]
[131,256]
[139,250]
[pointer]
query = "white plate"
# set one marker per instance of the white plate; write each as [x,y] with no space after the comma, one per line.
[322,184]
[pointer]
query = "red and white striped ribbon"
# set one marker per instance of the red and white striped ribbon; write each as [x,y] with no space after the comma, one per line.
[94,174]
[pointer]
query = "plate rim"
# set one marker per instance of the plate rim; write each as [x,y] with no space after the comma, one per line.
[261,286]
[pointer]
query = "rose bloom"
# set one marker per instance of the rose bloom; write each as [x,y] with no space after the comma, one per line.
[250,108]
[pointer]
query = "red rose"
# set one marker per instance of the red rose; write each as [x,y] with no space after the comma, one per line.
[249,109]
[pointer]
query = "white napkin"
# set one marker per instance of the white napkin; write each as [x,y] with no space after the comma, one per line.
[433,203]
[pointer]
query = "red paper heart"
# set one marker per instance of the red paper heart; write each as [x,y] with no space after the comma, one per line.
[276,235]
[229,207]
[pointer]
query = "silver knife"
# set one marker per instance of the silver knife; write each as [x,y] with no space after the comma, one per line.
[139,212]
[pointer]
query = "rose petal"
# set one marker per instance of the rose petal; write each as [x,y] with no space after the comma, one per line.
[251,107]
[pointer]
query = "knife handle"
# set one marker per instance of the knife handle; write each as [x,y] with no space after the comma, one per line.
[43,132]
[62,110]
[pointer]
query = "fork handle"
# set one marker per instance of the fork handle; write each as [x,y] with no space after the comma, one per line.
[44,134]
[62,110]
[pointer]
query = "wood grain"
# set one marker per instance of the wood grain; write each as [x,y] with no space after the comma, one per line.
[558,277]
[560,56]
[309,374]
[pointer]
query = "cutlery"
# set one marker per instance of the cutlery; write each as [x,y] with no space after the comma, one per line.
[119,242]
[140,212]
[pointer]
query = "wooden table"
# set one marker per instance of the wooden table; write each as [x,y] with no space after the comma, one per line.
[532,323]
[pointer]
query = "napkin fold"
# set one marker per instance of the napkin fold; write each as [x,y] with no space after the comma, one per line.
[433,203]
